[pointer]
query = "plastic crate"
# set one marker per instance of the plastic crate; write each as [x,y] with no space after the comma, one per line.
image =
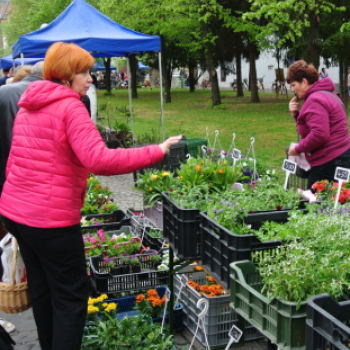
[258,218]
[125,307]
[220,316]
[194,146]
[327,324]
[220,247]
[105,283]
[154,214]
[277,319]
[296,182]
[151,242]
[181,229]
[119,215]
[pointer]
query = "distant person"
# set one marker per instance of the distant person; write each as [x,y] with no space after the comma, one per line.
[21,74]
[322,123]
[122,76]
[91,93]
[94,80]
[323,74]
[8,73]
[55,146]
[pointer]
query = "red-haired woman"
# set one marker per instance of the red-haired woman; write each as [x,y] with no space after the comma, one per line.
[322,122]
[54,147]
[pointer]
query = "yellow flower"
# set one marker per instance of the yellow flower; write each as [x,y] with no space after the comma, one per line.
[92,309]
[110,307]
[91,301]
[91,178]
[155,177]
[150,189]
[105,304]
[166,173]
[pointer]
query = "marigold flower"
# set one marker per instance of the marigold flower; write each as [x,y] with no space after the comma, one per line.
[211,295]
[165,173]
[198,268]
[97,187]
[155,177]
[212,289]
[139,298]
[150,189]
[198,168]
[220,171]
[152,293]
[210,279]
[204,288]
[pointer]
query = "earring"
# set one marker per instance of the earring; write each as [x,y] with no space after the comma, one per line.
[68,83]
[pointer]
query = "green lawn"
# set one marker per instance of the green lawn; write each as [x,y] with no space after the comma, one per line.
[268,122]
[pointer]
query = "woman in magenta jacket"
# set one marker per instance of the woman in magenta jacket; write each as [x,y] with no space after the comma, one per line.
[54,147]
[322,122]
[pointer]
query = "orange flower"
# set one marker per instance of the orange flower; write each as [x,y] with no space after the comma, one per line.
[196,286]
[152,299]
[204,288]
[198,268]
[139,298]
[220,171]
[97,187]
[210,279]
[191,283]
[157,302]
[212,288]
[211,295]
[152,293]
[198,168]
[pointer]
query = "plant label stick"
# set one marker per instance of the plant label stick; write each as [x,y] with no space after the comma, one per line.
[342,175]
[188,156]
[183,282]
[204,151]
[235,335]
[201,322]
[167,297]
[290,168]
[236,155]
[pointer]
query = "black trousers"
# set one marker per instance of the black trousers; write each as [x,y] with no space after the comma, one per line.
[57,281]
[326,171]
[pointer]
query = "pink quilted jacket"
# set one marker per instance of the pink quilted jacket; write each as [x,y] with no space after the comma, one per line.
[54,147]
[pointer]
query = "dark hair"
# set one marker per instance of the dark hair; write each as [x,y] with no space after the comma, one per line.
[300,70]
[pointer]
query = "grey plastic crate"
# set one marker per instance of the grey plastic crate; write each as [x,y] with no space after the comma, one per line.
[220,316]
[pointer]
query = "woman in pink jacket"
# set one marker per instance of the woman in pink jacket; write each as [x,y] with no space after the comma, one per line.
[54,147]
[322,122]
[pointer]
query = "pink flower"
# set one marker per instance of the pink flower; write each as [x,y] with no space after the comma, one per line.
[100,232]
[102,238]
[113,239]
[116,246]
[93,240]
[96,223]
[88,235]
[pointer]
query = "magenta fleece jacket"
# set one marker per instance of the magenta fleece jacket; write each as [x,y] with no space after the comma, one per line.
[322,125]
[54,147]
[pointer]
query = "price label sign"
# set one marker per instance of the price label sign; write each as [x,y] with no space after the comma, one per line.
[236,154]
[290,168]
[342,174]
[235,335]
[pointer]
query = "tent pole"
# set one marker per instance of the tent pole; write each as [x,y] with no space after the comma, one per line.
[130,101]
[161,91]
[22,59]
[13,63]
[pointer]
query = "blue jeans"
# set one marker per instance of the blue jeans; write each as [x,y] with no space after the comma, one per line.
[326,171]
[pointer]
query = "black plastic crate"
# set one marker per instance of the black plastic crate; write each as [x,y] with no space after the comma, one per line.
[181,229]
[327,324]
[151,242]
[220,247]
[120,216]
[257,219]
[106,283]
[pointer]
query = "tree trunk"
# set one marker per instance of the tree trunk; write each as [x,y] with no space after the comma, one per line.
[133,82]
[313,45]
[213,76]
[252,68]
[166,72]
[239,75]
[107,63]
[192,68]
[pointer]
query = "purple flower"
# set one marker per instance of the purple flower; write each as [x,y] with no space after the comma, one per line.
[209,150]
[220,211]
[96,223]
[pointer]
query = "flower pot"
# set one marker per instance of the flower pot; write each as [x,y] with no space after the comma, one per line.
[115,271]
[136,268]
[124,270]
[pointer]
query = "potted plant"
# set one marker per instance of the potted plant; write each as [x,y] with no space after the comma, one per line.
[114,268]
[156,260]
[125,265]
[135,265]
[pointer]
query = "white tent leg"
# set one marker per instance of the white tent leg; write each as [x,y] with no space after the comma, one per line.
[130,100]
[161,92]
[22,59]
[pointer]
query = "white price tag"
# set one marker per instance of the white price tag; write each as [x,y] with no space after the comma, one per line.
[235,335]
[290,168]
[342,174]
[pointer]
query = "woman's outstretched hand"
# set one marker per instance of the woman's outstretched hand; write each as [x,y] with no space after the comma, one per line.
[294,106]
[169,142]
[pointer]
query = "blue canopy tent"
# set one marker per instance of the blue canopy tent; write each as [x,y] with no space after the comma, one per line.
[7,61]
[85,26]
[100,66]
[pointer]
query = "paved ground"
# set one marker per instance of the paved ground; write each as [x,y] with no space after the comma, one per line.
[25,335]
